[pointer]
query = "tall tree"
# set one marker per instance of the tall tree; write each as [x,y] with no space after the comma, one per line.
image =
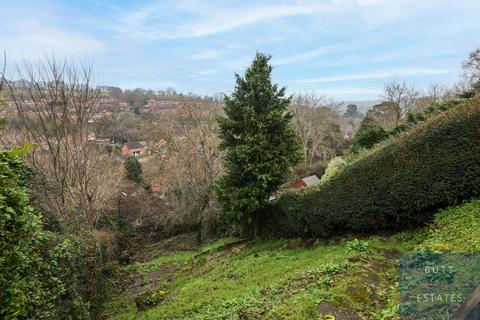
[402,98]
[54,105]
[471,67]
[316,124]
[195,163]
[352,111]
[260,144]
[2,78]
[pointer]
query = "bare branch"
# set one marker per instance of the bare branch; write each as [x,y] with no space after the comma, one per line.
[402,98]
[316,123]
[54,101]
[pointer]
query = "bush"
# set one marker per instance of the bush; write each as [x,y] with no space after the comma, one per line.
[357,245]
[133,169]
[43,275]
[397,185]
[368,137]
[334,167]
[22,292]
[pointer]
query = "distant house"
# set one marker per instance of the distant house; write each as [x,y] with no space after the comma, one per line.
[159,147]
[154,187]
[158,185]
[136,149]
[306,182]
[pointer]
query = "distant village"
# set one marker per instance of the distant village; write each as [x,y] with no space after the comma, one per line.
[112,105]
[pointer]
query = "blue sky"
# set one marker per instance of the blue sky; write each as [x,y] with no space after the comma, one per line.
[346,49]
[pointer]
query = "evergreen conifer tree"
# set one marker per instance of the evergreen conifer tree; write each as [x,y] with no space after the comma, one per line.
[133,169]
[260,144]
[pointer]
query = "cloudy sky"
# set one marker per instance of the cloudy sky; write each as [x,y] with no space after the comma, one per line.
[347,49]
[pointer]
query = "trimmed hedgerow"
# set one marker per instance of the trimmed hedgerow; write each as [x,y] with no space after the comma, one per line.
[397,185]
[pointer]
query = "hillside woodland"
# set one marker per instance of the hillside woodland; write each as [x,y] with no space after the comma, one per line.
[141,204]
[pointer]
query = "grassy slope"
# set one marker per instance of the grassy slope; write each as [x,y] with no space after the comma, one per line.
[285,280]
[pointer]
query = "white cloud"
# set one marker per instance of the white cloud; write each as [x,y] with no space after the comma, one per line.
[149,22]
[301,56]
[61,43]
[209,54]
[36,36]
[404,72]
[203,73]
[349,91]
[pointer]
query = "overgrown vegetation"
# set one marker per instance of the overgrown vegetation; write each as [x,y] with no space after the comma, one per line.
[287,279]
[396,185]
[43,275]
[65,219]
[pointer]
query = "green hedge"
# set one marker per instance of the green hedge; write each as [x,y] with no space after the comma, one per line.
[398,184]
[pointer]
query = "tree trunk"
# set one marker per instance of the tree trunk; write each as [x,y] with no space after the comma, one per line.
[256,226]
[205,202]
[199,230]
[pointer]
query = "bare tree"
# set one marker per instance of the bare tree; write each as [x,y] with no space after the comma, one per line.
[193,164]
[316,123]
[471,67]
[2,80]
[55,101]
[402,98]
[2,76]
[437,93]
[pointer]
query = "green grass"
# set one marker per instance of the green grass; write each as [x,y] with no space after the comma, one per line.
[283,279]
[456,229]
[158,263]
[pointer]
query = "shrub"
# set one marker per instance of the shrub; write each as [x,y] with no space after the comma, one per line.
[357,245]
[369,136]
[334,166]
[133,169]
[397,185]
[27,289]
[43,275]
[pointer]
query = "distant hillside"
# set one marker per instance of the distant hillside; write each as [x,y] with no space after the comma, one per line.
[363,106]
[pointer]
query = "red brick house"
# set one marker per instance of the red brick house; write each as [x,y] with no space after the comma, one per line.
[159,147]
[158,185]
[306,182]
[134,149]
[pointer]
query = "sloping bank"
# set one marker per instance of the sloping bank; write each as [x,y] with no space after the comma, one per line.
[399,184]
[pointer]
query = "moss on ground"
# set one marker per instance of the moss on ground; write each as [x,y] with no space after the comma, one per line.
[283,279]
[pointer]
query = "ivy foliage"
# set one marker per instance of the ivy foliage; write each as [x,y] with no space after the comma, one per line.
[21,237]
[43,275]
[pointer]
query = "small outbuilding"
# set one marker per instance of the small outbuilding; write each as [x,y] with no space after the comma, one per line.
[134,148]
[306,182]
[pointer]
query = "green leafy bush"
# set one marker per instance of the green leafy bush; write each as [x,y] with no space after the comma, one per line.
[396,185]
[133,169]
[369,136]
[43,275]
[149,299]
[334,166]
[357,245]
[23,291]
